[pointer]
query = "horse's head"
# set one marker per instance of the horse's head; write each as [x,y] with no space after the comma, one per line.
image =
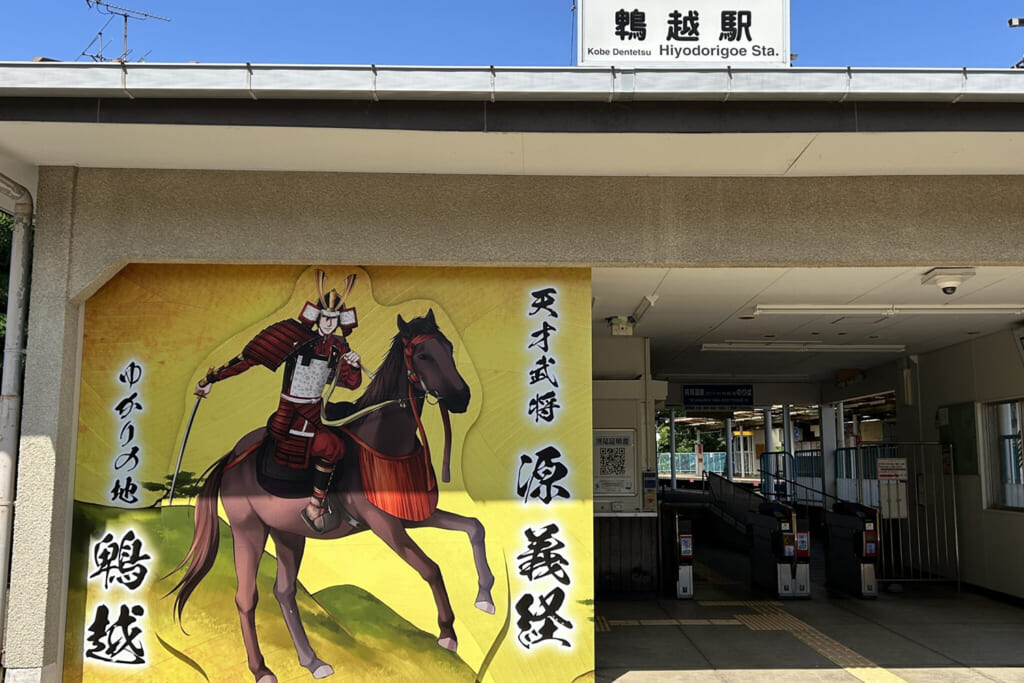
[430,364]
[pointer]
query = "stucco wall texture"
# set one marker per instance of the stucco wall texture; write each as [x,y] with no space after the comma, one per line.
[93,221]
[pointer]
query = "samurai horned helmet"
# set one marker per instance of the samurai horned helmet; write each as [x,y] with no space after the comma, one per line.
[331,303]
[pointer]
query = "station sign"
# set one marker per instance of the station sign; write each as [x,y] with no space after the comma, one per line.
[698,33]
[722,397]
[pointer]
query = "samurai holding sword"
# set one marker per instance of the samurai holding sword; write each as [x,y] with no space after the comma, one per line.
[314,357]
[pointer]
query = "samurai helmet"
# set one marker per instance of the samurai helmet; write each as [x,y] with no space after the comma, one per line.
[331,303]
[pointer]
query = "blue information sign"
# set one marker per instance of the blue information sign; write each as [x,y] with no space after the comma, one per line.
[720,396]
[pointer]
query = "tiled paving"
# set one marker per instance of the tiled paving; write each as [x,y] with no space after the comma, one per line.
[732,634]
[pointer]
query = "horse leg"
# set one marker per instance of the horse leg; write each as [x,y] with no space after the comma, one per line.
[289,557]
[392,531]
[250,537]
[443,519]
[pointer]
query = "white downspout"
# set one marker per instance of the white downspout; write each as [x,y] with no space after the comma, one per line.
[10,382]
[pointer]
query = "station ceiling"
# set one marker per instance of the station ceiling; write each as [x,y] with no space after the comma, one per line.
[699,306]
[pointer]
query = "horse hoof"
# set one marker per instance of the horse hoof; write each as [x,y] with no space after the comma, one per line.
[449,644]
[485,606]
[323,671]
[267,678]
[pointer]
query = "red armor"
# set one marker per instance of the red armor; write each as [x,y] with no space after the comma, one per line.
[312,361]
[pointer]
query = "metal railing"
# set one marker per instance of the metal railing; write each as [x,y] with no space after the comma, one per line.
[688,464]
[732,499]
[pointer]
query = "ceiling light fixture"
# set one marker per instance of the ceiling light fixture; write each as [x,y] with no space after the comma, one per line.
[803,347]
[888,310]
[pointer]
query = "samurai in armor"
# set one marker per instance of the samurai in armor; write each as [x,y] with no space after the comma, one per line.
[314,357]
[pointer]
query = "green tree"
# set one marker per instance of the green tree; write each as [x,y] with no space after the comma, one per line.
[187,486]
[711,438]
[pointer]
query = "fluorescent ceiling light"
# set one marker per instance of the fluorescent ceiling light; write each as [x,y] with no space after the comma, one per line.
[733,376]
[889,310]
[803,347]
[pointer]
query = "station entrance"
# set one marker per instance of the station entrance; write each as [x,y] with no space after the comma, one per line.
[809,447]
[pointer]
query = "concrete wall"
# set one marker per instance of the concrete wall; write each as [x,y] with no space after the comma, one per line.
[93,221]
[625,397]
[983,370]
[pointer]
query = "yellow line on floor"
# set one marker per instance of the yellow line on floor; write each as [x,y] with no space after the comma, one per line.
[609,623]
[769,616]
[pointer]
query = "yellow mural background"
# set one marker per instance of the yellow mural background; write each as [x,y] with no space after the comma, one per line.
[177,320]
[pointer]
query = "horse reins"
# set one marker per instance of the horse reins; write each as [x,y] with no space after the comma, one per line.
[409,348]
[414,378]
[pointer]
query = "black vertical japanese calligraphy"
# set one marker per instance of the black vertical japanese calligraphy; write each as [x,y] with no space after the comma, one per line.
[543,405]
[118,563]
[128,455]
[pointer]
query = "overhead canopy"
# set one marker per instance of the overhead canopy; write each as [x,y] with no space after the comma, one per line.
[532,121]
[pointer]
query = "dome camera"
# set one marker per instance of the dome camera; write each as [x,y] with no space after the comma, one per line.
[948,280]
[948,284]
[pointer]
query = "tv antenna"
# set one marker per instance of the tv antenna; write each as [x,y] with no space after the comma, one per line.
[115,11]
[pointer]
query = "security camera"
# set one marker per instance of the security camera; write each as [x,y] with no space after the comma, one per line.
[1016,22]
[948,285]
[947,279]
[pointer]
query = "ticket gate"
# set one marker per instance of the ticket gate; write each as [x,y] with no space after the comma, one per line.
[851,551]
[684,584]
[780,550]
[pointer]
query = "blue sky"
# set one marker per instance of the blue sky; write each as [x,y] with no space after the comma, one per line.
[898,33]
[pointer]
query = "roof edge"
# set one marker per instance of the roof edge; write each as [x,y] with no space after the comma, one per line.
[483,83]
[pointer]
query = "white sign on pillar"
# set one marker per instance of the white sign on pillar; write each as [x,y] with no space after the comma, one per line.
[690,33]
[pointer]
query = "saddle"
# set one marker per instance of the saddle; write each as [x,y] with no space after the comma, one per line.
[284,481]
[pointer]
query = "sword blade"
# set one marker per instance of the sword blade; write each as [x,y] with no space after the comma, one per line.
[181,452]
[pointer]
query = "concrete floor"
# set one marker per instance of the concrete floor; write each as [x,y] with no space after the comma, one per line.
[731,633]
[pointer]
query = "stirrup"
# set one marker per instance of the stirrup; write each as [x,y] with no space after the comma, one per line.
[311,523]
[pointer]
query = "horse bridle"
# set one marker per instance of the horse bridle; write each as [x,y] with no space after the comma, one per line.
[409,345]
[409,348]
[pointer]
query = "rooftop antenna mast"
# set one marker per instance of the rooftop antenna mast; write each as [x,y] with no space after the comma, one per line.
[1017,22]
[125,13]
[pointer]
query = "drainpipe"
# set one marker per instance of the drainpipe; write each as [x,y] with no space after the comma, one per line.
[10,382]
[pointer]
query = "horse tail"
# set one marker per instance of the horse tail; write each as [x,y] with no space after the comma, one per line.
[205,540]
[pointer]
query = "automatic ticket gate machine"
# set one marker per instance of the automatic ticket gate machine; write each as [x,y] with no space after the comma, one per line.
[852,548]
[684,584]
[780,550]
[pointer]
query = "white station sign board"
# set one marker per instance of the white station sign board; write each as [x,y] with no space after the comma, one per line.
[892,469]
[684,33]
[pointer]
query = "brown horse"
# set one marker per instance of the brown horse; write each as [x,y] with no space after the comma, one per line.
[419,363]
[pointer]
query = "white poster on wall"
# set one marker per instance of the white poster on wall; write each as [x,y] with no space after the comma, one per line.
[688,33]
[614,462]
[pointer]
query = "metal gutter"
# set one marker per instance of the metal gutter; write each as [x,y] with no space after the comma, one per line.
[487,83]
[11,381]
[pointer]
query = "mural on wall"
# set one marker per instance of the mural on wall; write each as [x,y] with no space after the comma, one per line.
[272,461]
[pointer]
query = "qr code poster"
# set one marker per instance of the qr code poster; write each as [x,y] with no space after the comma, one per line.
[614,462]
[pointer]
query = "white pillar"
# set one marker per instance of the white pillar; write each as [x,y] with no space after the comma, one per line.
[769,446]
[827,420]
[730,465]
[672,444]
[787,441]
